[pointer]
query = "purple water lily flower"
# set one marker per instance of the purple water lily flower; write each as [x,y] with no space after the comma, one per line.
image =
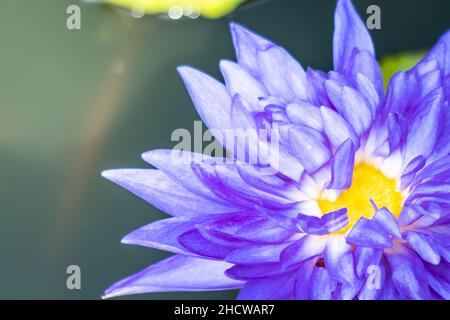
[358,206]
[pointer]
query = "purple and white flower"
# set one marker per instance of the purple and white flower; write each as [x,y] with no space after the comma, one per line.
[358,207]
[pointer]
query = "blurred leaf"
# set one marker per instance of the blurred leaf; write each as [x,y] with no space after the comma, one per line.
[403,61]
[212,9]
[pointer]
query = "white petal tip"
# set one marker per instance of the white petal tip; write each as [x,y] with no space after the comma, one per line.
[109,174]
[185,71]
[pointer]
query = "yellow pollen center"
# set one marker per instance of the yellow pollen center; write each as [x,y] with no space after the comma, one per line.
[368,183]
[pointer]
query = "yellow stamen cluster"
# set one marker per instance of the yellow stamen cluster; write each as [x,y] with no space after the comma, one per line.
[368,183]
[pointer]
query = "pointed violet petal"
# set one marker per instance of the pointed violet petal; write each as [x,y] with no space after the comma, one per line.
[436,189]
[408,275]
[252,146]
[225,226]
[246,43]
[339,260]
[226,182]
[303,281]
[210,97]
[177,273]
[411,170]
[306,114]
[408,215]
[263,231]
[440,286]
[255,254]
[364,63]
[329,223]
[256,176]
[279,287]
[424,129]
[337,129]
[281,74]
[397,95]
[348,291]
[243,142]
[369,233]
[256,271]
[365,86]
[322,285]
[351,105]
[159,190]
[310,147]
[429,81]
[317,89]
[241,118]
[423,246]
[436,168]
[342,167]
[375,279]
[163,234]
[397,131]
[239,81]
[307,247]
[440,52]
[349,33]
[388,221]
[366,257]
[193,241]
[178,166]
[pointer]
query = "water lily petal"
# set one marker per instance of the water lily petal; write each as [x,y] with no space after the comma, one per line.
[196,243]
[409,215]
[307,247]
[440,286]
[263,231]
[329,223]
[310,147]
[364,63]
[318,92]
[178,166]
[280,287]
[398,131]
[339,260]
[177,273]
[322,285]
[351,105]
[424,129]
[388,221]
[282,75]
[366,87]
[411,170]
[159,190]
[440,53]
[423,246]
[210,97]
[349,33]
[366,257]
[437,169]
[163,234]
[306,114]
[246,43]
[239,81]
[255,254]
[342,167]
[337,129]
[257,271]
[368,233]
[408,275]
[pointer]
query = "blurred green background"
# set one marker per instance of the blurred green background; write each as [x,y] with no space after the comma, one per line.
[73,103]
